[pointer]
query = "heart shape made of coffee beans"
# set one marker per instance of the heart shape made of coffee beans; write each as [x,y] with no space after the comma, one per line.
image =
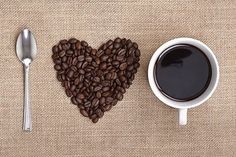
[96,79]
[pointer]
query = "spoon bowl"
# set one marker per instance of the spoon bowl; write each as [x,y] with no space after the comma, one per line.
[26,46]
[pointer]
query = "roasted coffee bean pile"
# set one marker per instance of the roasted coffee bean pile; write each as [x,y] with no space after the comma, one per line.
[96,79]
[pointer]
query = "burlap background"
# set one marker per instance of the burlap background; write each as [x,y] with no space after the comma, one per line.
[140,125]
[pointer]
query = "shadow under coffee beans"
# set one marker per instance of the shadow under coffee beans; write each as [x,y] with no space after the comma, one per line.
[96,79]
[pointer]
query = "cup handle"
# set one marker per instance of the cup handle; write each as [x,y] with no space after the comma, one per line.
[183,116]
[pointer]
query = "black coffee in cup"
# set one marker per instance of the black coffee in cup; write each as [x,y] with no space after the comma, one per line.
[182,72]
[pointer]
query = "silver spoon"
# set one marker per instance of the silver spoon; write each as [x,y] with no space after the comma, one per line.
[26,52]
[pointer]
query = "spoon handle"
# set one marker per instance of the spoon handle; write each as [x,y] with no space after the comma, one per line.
[27,125]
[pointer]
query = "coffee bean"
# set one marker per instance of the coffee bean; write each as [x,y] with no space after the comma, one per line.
[74,61]
[81,71]
[68,93]
[136,65]
[130,60]
[73,100]
[125,85]
[76,75]
[129,42]
[108,76]
[55,56]
[84,43]
[117,40]
[88,49]
[74,68]
[64,41]
[116,45]
[128,74]
[106,83]
[135,45]
[70,73]
[106,94]
[80,85]
[134,71]
[61,72]
[59,78]
[57,61]
[113,75]
[99,113]
[114,102]
[105,89]
[102,100]
[81,78]
[65,65]
[69,61]
[123,66]
[82,89]
[95,120]
[84,65]
[72,40]
[73,47]
[79,64]
[121,89]
[84,113]
[104,58]
[81,58]
[109,100]
[97,60]
[120,73]
[104,47]
[121,52]
[132,77]
[80,96]
[115,63]
[95,102]
[130,68]
[92,115]
[89,59]
[97,88]
[64,59]
[131,52]
[76,81]
[65,46]
[108,107]
[103,65]
[55,49]
[87,104]
[119,96]
[59,47]
[137,53]
[69,52]
[99,53]
[98,94]
[72,87]
[78,45]
[63,77]
[123,41]
[96,79]
[94,64]
[120,58]
[62,53]
[57,67]
[108,51]
[67,84]
[94,52]
[79,100]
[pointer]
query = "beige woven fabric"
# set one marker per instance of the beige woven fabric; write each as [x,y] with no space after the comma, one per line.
[140,125]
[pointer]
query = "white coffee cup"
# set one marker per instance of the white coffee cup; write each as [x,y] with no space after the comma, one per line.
[183,106]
